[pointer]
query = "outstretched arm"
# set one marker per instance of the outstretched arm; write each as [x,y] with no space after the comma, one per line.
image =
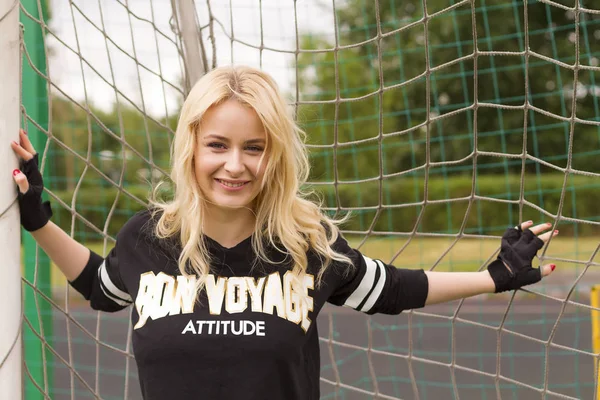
[69,255]
[448,286]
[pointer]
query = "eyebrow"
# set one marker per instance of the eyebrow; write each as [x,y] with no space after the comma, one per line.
[223,138]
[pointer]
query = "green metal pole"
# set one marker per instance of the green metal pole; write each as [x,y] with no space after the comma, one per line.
[37,310]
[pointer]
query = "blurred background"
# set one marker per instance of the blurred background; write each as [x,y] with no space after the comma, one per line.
[436,123]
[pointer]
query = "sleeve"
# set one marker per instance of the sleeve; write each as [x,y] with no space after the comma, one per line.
[100,282]
[371,286]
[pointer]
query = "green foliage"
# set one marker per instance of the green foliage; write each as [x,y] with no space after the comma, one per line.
[122,141]
[125,145]
[96,205]
[365,111]
[455,201]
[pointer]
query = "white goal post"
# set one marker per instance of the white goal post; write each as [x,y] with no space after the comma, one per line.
[10,284]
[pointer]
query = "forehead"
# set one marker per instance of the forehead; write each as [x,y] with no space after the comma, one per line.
[232,120]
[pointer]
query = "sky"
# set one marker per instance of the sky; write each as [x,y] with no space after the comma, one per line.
[128,26]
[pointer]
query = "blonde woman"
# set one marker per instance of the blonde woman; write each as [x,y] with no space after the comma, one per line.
[227,279]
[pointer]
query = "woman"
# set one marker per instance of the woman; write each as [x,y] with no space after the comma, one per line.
[228,278]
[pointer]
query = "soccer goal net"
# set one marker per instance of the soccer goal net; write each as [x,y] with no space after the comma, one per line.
[436,123]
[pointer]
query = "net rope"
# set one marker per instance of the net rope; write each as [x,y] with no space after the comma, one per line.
[216,25]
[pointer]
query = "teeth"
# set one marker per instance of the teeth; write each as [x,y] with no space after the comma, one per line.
[234,185]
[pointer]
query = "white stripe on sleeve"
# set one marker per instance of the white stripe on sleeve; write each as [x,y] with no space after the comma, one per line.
[378,289]
[114,293]
[365,285]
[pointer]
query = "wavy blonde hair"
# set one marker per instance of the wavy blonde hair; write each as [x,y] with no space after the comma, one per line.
[285,217]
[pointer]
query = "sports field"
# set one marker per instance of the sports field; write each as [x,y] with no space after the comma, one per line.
[433,338]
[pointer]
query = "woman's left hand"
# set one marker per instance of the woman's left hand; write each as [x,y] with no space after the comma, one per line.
[513,269]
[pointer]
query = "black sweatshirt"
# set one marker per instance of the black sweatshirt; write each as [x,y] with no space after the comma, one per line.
[249,335]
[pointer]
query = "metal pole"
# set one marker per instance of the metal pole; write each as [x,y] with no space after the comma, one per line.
[10,230]
[194,58]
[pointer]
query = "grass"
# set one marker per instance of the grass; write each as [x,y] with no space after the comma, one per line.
[466,255]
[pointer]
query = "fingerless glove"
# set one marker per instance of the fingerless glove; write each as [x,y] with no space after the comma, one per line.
[517,251]
[34,214]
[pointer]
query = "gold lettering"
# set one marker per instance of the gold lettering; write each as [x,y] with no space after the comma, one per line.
[185,293]
[293,307]
[215,292]
[163,295]
[309,283]
[237,296]
[273,295]
[255,288]
[144,298]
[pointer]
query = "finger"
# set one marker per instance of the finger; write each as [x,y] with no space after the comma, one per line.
[546,236]
[21,181]
[25,142]
[21,152]
[547,269]
[540,228]
[526,225]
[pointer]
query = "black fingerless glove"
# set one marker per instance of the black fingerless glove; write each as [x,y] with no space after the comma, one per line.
[517,252]
[34,213]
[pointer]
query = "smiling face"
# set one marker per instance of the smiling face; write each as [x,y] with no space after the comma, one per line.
[230,158]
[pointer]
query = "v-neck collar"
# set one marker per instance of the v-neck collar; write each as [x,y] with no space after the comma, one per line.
[241,246]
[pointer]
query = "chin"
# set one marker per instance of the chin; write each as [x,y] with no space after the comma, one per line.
[231,205]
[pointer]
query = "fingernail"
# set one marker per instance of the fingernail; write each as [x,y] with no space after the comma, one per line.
[529,222]
[552,266]
[16,172]
[556,231]
[549,223]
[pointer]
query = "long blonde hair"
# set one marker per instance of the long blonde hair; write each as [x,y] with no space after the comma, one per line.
[285,217]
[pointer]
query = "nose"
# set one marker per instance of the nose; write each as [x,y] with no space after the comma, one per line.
[234,164]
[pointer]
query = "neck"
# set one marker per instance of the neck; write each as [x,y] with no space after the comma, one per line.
[228,226]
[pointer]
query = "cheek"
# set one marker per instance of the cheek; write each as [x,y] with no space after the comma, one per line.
[260,176]
[260,167]
[205,166]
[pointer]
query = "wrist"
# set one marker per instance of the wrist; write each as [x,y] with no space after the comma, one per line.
[489,285]
[500,275]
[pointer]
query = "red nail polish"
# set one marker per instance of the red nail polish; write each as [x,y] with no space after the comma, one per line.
[16,172]
[552,266]
[556,231]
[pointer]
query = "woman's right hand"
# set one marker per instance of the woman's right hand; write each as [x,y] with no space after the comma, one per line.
[25,151]
[34,214]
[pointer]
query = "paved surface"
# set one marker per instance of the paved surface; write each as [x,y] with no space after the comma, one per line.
[563,368]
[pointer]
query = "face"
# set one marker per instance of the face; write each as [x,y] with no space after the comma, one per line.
[228,158]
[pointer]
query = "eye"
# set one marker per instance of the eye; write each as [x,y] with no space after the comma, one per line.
[255,149]
[216,145]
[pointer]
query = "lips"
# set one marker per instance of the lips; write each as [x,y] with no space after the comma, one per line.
[232,184]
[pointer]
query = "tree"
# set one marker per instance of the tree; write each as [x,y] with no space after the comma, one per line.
[448,36]
[121,138]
